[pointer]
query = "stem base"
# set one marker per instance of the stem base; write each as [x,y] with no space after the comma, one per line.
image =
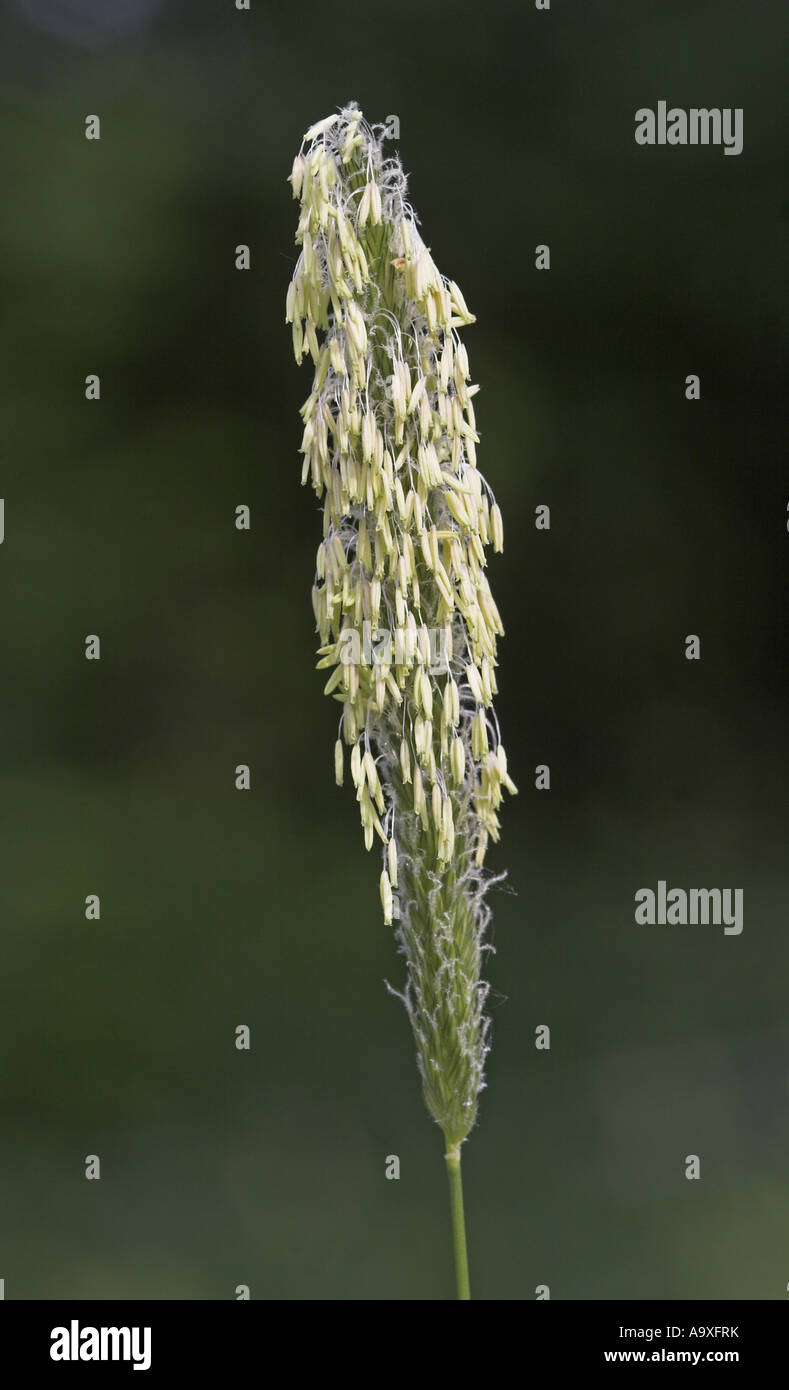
[458,1222]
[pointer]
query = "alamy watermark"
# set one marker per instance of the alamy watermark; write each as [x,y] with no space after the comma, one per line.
[76,1343]
[694,907]
[699,125]
[377,646]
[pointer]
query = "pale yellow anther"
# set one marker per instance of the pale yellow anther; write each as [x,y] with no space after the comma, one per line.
[463,312]
[405,761]
[479,734]
[497,528]
[419,792]
[376,211]
[391,858]
[320,127]
[364,205]
[486,679]
[296,177]
[458,761]
[417,395]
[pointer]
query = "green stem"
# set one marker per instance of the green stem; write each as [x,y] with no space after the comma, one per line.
[458,1221]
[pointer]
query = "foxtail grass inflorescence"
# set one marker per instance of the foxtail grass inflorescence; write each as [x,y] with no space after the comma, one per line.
[407,622]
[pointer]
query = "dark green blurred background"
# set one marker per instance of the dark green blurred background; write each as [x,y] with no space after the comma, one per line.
[219,908]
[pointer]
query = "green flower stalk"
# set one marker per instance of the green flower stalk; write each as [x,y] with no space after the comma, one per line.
[407,622]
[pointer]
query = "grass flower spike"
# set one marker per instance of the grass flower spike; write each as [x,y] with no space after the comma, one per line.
[406,618]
